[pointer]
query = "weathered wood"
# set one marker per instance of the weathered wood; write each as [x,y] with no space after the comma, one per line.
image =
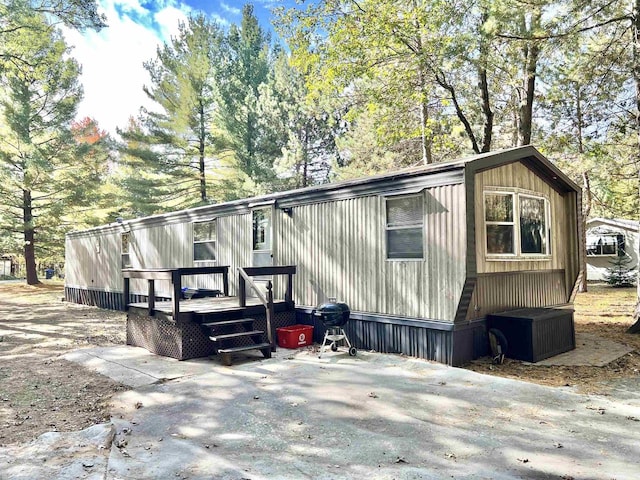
[271,334]
[224,336]
[151,295]
[242,291]
[125,294]
[271,270]
[225,282]
[176,293]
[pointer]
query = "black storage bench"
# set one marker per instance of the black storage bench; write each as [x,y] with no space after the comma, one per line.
[534,334]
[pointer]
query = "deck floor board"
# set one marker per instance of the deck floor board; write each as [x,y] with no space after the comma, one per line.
[205,305]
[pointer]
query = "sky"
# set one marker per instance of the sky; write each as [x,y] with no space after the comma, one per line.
[111,59]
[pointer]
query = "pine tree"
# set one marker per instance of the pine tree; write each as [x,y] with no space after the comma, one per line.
[176,141]
[38,101]
[620,273]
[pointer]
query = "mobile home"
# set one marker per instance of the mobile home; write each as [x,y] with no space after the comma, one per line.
[421,255]
[608,238]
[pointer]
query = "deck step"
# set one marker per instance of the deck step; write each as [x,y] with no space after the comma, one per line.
[245,348]
[224,323]
[225,353]
[224,336]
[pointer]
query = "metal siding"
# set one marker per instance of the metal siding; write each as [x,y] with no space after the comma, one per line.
[507,291]
[86,267]
[517,175]
[234,245]
[339,249]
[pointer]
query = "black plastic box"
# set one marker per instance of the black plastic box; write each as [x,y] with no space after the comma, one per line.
[534,334]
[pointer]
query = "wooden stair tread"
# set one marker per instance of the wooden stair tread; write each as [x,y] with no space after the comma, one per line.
[257,346]
[239,321]
[223,336]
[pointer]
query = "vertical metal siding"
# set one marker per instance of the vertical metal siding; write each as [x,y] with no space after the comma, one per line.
[86,267]
[500,292]
[518,176]
[339,248]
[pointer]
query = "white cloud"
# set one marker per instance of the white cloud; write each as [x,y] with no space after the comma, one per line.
[229,9]
[112,71]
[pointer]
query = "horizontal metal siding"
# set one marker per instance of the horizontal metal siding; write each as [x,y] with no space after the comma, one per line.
[500,292]
[339,249]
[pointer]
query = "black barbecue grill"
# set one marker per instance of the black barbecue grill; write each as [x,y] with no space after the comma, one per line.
[333,316]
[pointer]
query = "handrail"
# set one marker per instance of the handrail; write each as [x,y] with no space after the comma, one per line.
[175,276]
[252,284]
[267,302]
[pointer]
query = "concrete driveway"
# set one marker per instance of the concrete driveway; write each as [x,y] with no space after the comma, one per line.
[372,416]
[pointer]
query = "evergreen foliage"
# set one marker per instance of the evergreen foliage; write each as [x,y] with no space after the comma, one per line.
[39,174]
[620,273]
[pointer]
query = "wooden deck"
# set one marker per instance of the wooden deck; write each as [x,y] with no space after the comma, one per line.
[211,307]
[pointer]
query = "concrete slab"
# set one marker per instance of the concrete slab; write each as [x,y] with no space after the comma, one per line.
[371,416]
[135,366]
[590,350]
[77,455]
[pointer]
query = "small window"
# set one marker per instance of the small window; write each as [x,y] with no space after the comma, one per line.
[404,228]
[205,241]
[126,252]
[523,234]
[262,229]
[605,245]
[533,225]
[498,208]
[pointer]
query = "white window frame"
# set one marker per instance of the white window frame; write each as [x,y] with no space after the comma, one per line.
[125,254]
[517,254]
[403,227]
[615,243]
[208,240]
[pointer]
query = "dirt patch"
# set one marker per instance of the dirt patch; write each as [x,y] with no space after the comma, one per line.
[602,311]
[40,392]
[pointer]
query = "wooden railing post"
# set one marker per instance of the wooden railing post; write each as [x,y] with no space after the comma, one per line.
[151,294]
[125,293]
[288,295]
[242,290]
[176,292]
[225,281]
[270,316]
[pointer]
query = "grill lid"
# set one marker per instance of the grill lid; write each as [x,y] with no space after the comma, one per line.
[333,314]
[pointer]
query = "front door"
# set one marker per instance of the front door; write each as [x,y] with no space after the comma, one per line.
[262,237]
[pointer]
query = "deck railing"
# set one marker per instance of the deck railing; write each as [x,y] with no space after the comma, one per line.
[175,276]
[244,278]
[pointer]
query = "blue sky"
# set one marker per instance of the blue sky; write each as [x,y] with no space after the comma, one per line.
[112,72]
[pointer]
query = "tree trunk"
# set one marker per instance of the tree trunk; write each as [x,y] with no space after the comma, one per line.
[586,191]
[201,148]
[425,138]
[635,328]
[586,211]
[29,239]
[531,52]
[483,85]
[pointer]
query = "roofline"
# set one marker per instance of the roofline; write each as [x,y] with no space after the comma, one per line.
[396,181]
[617,222]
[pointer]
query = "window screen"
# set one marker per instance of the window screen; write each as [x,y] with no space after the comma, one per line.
[205,241]
[404,227]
